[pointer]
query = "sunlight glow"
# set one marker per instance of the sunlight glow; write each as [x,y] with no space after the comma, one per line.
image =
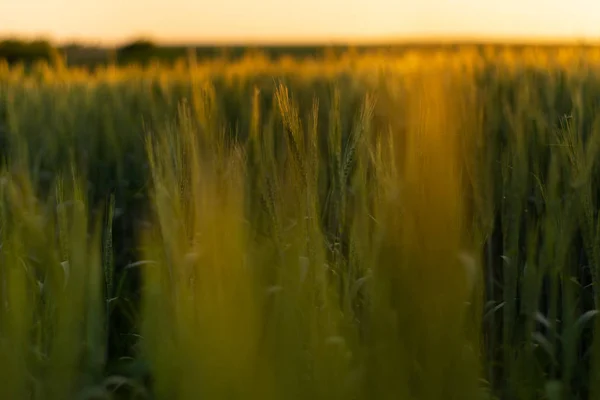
[298,20]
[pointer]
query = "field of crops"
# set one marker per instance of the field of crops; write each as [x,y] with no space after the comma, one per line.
[421,227]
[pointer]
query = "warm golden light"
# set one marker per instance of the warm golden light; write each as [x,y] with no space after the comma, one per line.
[298,20]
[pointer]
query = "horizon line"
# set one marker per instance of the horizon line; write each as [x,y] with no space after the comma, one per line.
[348,40]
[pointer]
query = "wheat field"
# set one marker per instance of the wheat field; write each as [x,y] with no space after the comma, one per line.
[418,226]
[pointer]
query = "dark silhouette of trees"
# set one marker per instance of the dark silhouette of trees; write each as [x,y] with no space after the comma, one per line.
[19,51]
[141,50]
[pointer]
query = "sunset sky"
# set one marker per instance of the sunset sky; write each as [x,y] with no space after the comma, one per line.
[110,21]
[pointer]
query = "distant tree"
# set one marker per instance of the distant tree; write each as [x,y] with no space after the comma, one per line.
[139,50]
[140,45]
[17,51]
